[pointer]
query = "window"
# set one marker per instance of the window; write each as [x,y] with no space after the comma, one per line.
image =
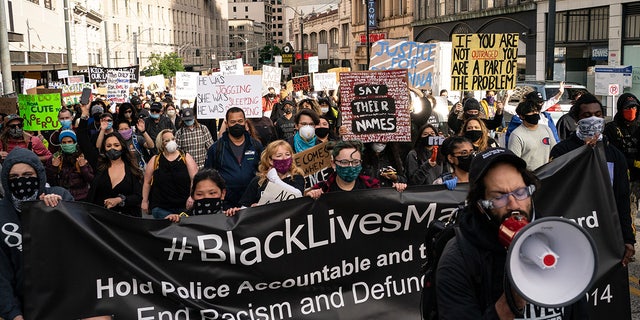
[345,35]
[488,4]
[49,4]
[462,5]
[442,9]
[235,9]
[246,8]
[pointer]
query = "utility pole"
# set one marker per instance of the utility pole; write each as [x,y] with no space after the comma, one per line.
[551,40]
[67,29]
[106,40]
[5,59]
[135,48]
[301,44]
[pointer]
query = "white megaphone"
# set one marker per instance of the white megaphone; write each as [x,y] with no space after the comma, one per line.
[551,261]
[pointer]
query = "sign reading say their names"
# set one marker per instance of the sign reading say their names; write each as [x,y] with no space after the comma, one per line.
[40,111]
[218,93]
[275,193]
[375,105]
[484,61]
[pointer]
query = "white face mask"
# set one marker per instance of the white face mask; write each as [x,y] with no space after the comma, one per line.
[184,106]
[171,112]
[307,132]
[171,146]
[378,146]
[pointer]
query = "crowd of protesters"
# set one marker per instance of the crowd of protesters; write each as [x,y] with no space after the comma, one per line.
[153,157]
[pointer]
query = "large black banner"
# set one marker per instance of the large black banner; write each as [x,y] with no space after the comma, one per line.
[353,255]
[99,74]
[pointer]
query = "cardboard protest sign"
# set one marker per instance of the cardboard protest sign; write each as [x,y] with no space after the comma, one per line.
[418,58]
[275,193]
[40,112]
[337,72]
[271,77]
[325,81]
[315,162]
[484,61]
[9,105]
[232,67]
[301,83]
[218,93]
[154,83]
[99,74]
[248,70]
[71,93]
[186,85]
[118,86]
[375,106]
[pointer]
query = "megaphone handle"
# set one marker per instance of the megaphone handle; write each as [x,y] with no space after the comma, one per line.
[511,301]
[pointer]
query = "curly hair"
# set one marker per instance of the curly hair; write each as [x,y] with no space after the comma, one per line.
[266,162]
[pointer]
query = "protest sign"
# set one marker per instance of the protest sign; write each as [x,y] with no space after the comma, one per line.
[325,81]
[314,64]
[9,105]
[186,85]
[301,83]
[232,67]
[484,61]
[118,86]
[154,83]
[315,163]
[40,111]
[275,193]
[216,267]
[63,74]
[418,58]
[375,106]
[99,74]
[75,79]
[71,93]
[271,77]
[218,93]
[337,72]
[248,70]
[28,83]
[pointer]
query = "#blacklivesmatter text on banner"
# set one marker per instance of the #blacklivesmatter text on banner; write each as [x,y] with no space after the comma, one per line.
[40,111]
[217,93]
[484,61]
[375,106]
[418,58]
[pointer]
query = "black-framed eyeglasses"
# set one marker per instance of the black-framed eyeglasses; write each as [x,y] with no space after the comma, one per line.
[347,163]
[520,194]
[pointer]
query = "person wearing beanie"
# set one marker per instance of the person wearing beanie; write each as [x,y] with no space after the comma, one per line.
[23,178]
[623,132]
[13,136]
[68,167]
[472,108]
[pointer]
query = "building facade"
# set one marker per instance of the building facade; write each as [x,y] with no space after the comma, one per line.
[246,37]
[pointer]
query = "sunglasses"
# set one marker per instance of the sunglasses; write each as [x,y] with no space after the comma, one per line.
[13,126]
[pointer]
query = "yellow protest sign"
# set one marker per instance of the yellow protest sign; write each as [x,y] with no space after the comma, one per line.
[484,61]
[40,111]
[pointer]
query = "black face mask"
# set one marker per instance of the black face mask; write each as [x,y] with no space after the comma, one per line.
[206,206]
[23,189]
[322,132]
[473,135]
[288,111]
[464,162]
[237,130]
[532,118]
[113,154]
[425,141]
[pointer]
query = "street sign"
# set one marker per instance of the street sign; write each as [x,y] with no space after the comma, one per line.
[607,75]
[287,55]
[614,89]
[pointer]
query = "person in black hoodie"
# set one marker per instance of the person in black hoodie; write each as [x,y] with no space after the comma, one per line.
[589,112]
[23,178]
[501,186]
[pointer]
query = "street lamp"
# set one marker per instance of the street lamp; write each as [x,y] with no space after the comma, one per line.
[135,45]
[246,48]
[300,16]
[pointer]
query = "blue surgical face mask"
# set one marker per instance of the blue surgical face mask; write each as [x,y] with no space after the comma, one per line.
[154,115]
[109,125]
[189,123]
[66,124]
[348,174]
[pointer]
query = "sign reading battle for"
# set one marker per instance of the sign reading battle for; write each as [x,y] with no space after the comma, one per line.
[375,106]
[350,255]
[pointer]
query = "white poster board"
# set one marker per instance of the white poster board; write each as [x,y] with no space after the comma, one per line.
[325,81]
[28,83]
[232,67]
[117,86]
[275,193]
[186,85]
[271,77]
[314,64]
[217,93]
[154,83]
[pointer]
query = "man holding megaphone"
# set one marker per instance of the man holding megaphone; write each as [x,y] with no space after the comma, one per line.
[474,278]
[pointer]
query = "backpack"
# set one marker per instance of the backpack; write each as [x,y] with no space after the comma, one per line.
[438,234]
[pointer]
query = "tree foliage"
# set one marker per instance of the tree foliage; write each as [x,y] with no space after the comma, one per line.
[268,52]
[164,64]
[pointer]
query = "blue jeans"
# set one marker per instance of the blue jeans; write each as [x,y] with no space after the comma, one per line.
[161,213]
